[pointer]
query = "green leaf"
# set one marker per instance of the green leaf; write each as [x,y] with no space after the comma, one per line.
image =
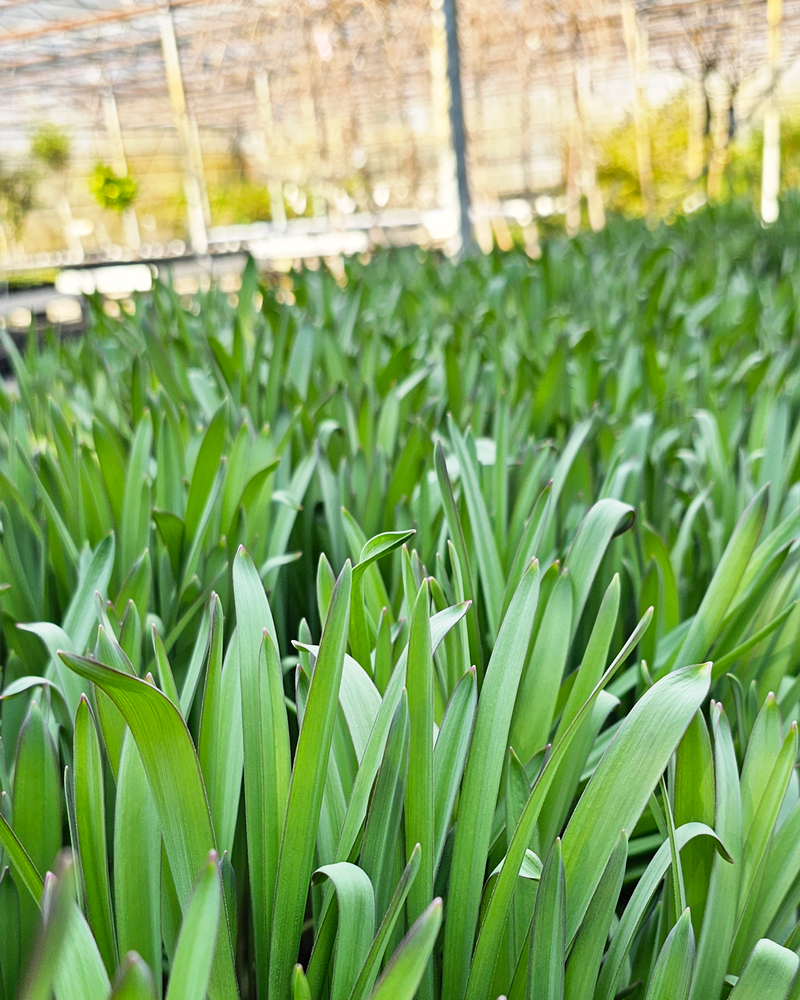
[173,773]
[9,935]
[584,961]
[300,988]
[673,971]
[606,519]
[305,791]
[590,671]
[482,782]
[719,920]
[37,806]
[221,740]
[199,653]
[164,674]
[541,678]
[191,966]
[494,922]
[461,566]
[768,975]
[385,815]
[373,550]
[134,525]
[404,972]
[134,980]
[624,780]
[52,938]
[450,755]
[79,620]
[725,582]
[694,800]
[356,923]
[90,822]
[489,567]
[546,962]
[137,861]
[80,973]
[758,836]
[266,749]
[419,821]
[638,904]
[371,966]
[205,470]
[24,868]
[528,544]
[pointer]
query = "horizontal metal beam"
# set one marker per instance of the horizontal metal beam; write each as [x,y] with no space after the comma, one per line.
[84,23]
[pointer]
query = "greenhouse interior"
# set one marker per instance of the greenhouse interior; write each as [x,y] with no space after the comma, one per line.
[399,499]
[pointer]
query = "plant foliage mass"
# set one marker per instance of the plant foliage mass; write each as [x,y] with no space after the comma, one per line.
[430,631]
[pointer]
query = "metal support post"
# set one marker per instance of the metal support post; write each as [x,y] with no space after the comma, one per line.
[457,129]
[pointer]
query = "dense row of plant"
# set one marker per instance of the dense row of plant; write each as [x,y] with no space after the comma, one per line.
[434,626]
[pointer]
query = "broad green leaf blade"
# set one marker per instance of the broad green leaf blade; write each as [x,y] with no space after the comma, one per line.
[489,567]
[54,639]
[404,972]
[378,547]
[266,750]
[371,966]
[80,973]
[137,861]
[379,845]
[461,565]
[673,971]
[368,768]
[590,671]
[482,782]
[39,977]
[450,755]
[191,966]
[79,621]
[543,673]
[546,962]
[173,773]
[694,801]
[221,741]
[356,923]
[24,869]
[725,582]
[757,840]
[305,791]
[419,821]
[624,780]
[590,944]
[638,905]
[9,935]
[90,822]
[768,975]
[205,471]
[134,980]
[300,988]
[605,520]
[37,807]
[719,921]
[494,922]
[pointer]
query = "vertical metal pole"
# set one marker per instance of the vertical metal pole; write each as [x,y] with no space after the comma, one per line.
[457,130]
[193,178]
